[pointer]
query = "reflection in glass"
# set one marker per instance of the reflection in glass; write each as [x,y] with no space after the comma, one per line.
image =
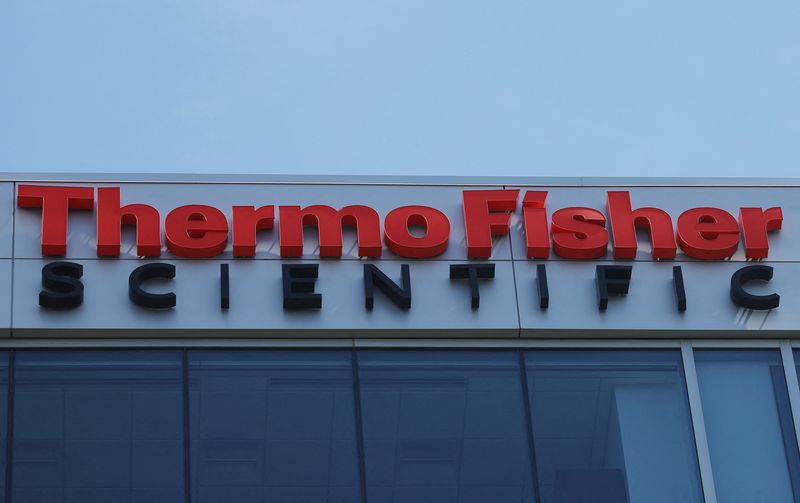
[3,422]
[749,426]
[272,426]
[612,427]
[443,427]
[98,426]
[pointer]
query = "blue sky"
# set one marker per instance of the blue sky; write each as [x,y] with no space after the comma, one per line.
[442,87]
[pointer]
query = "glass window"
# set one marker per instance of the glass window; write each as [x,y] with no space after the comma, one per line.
[272,426]
[98,426]
[442,427]
[3,422]
[612,427]
[749,426]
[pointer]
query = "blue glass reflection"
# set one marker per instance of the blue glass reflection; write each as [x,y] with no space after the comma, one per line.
[98,427]
[272,426]
[444,427]
[749,426]
[612,427]
[3,422]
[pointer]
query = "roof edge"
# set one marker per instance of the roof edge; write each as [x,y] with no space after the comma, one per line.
[547,181]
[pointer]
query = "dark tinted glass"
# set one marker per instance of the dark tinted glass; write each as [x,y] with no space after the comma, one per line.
[3,422]
[749,426]
[98,427]
[443,427]
[612,427]
[273,426]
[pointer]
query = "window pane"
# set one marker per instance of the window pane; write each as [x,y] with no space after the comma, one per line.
[612,427]
[443,427]
[98,426]
[749,425]
[273,426]
[3,422]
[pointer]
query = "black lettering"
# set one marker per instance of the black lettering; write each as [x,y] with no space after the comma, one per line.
[63,287]
[611,280]
[680,290]
[224,287]
[146,272]
[747,300]
[541,283]
[472,273]
[401,297]
[298,286]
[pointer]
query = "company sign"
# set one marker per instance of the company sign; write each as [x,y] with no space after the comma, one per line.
[256,260]
[203,231]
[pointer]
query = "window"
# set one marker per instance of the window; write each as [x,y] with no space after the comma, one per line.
[3,422]
[749,426]
[272,426]
[612,427]
[98,426]
[438,426]
[443,427]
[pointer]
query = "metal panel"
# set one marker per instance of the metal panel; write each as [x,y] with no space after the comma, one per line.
[439,306]
[388,343]
[698,421]
[790,371]
[81,242]
[6,280]
[650,309]
[240,178]
[6,219]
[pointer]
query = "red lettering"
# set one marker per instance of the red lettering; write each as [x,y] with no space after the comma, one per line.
[329,224]
[111,217]
[403,243]
[579,233]
[756,223]
[534,214]
[247,220]
[487,214]
[55,202]
[708,233]
[624,221]
[196,231]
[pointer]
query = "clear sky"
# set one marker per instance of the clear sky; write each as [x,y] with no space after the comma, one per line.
[443,87]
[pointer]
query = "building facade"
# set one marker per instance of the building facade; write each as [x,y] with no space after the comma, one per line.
[312,339]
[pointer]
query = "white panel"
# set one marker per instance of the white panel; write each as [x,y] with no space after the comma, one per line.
[650,305]
[649,310]
[5,297]
[6,219]
[439,305]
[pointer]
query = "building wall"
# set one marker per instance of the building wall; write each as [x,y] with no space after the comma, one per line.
[509,402]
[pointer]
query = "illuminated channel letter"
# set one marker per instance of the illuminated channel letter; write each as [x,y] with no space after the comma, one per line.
[55,202]
[487,213]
